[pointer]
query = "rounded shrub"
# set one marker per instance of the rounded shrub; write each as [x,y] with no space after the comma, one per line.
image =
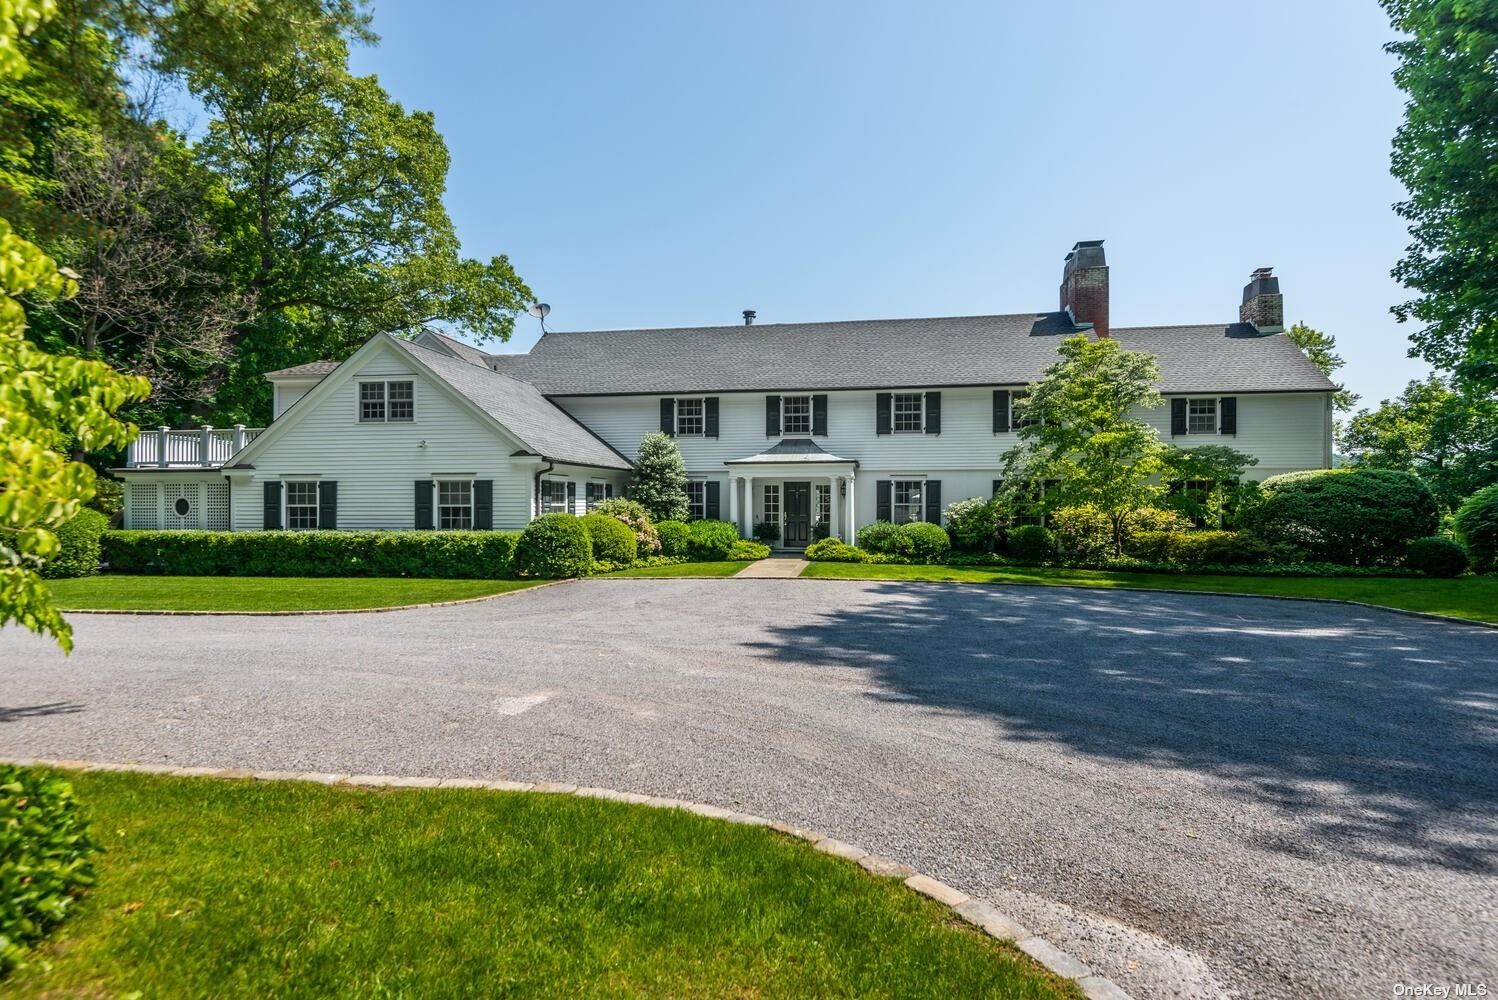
[1030,543]
[80,538]
[612,539]
[553,547]
[674,537]
[1436,556]
[974,524]
[878,537]
[1154,519]
[1357,516]
[710,541]
[745,549]
[922,541]
[767,532]
[1084,534]
[637,518]
[46,858]
[1476,521]
[835,550]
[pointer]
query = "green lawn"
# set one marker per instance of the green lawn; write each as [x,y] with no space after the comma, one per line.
[264,593]
[686,569]
[246,889]
[1474,597]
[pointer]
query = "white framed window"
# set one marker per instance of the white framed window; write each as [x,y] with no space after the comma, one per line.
[795,416]
[1022,415]
[771,513]
[387,401]
[824,505]
[907,500]
[696,499]
[301,506]
[554,496]
[909,412]
[690,419]
[455,504]
[1201,416]
[596,494]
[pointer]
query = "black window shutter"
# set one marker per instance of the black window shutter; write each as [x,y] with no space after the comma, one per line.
[423,504]
[933,413]
[933,501]
[1177,417]
[711,508]
[1001,411]
[819,416]
[483,504]
[272,505]
[668,417]
[884,418]
[1227,411]
[884,505]
[327,504]
[772,416]
[998,484]
[571,497]
[710,417]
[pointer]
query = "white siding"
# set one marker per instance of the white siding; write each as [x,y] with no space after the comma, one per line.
[288,393]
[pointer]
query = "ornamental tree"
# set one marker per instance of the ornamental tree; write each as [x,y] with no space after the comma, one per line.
[659,482]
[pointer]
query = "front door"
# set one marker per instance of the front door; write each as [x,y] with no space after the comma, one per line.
[797,515]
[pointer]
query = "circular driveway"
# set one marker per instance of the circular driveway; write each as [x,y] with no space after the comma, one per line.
[1199,796]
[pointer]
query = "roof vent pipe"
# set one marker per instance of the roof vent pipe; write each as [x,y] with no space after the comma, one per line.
[749,315]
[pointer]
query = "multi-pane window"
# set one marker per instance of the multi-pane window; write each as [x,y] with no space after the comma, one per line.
[597,493]
[696,499]
[906,497]
[689,418]
[380,402]
[795,415]
[772,503]
[554,496]
[301,506]
[1023,416]
[454,504]
[908,411]
[824,505]
[1201,416]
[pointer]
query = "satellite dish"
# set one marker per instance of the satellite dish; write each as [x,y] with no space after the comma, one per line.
[540,310]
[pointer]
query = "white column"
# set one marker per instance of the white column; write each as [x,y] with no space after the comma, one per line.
[238,440]
[832,503]
[852,513]
[205,445]
[733,502]
[161,445]
[748,529]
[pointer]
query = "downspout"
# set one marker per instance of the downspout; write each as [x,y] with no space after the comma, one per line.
[537,491]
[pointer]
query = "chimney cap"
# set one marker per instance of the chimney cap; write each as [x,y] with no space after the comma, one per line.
[1262,272]
[749,315]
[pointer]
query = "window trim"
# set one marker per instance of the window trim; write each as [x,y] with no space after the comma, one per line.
[810,417]
[384,417]
[562,482]
[1216,415]
[692,504]
[437,504]
[769,499]
[920,501]
[894,413]
[701,402]
[286,504]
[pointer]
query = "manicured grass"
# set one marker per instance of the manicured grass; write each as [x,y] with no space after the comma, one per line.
[686,569]
[265,593]
[251,889]
[1474,597]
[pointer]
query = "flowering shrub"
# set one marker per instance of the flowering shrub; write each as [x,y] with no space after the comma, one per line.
[974,524]
[637,519]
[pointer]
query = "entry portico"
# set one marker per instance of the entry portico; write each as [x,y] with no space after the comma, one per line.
[795,484]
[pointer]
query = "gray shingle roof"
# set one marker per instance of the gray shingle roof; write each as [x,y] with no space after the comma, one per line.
[792,450]
[318,368]
[540,424]
[862,354]
[464,352]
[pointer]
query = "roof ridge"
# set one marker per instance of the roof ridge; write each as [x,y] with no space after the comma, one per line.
[813,322]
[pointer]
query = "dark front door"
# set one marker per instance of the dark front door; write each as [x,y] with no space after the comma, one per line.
[797,515]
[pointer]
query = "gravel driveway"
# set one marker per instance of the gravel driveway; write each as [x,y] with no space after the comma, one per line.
[1199,796]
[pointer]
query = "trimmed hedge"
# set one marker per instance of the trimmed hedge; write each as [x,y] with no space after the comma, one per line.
[878,537]
[675,537]
[613,540]
[634,516]
[710,541]
[745,549]
[922,541]
[1358,516]
[1031,543]
[554,547]
[469,555]
[46,858]
[1204,548]
[80,537]
[1436,557]
[835,550]
[1476,522]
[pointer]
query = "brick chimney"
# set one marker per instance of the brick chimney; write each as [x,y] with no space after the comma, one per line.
[1084,286]
[1263,306]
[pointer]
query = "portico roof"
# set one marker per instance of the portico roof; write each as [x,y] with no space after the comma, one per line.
[793,451]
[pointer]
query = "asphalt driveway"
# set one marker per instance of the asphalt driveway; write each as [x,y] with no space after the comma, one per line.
[1199,796]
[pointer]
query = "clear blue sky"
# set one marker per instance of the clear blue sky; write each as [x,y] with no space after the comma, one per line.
[670,164]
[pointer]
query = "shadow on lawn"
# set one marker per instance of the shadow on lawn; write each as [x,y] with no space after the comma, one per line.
[1376,736]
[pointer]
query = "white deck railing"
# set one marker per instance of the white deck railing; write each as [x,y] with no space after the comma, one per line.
[203,448]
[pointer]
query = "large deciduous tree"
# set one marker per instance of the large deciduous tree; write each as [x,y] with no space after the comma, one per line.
[1446,154]
[1321,348]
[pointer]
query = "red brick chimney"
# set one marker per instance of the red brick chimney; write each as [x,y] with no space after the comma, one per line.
[1084,286]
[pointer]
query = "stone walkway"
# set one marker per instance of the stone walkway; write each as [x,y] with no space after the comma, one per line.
[774,568]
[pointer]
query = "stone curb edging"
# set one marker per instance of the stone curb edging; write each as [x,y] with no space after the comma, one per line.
[976,912]
[324,611]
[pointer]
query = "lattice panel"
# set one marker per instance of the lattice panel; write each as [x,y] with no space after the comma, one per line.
[216,506]
[141,506]
[174,514]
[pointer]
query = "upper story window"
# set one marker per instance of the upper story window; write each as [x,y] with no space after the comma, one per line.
[455,504]
[696,499]
[906,498]
[690,418]
[1023,415]
[1201,416]
[387,402]
[301,506]
[795,416]
[554,496]
[909,410]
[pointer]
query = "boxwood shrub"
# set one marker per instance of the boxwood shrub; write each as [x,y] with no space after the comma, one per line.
[553,547]
[1358,516]
[46,858]
[835,550]
[922,542]
[1476,522]
[710,540]
[1436,556]
[637,518]
[479,555]
[746,549]
[1030,543]
[81,552]
[878,537]
[1206,548]
[613,540]
[675,537]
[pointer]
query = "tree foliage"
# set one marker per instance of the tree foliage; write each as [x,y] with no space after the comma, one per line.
[659,481]
[1446,155]
[1321,348]
[1078,429]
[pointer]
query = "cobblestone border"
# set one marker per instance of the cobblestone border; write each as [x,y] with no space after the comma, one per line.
[976,912]
[325,611]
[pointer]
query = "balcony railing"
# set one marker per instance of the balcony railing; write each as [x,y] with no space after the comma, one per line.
[203,448]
